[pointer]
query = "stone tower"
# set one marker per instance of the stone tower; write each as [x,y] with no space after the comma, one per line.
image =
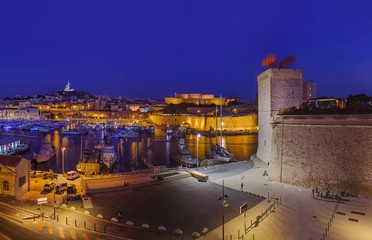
[277,89]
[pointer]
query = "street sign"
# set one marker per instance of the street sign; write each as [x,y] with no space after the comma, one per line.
[243,208]
[42,200]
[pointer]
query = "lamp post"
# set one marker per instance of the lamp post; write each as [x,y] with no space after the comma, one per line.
[224,204]
[197,150]
[63,160]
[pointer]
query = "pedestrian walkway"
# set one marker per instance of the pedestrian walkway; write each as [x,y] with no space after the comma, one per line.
[299,216]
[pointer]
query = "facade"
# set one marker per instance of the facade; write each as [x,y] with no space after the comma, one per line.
[309,90]
[195,98]
[324,103]
[277,89]
[28,113]
[7,113]
[14,176]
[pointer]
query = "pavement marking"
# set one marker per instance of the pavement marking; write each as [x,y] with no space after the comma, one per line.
[29,224]
[85,236]
[50,228]
[4,236]
[73,235]
[61,233]
[39,225]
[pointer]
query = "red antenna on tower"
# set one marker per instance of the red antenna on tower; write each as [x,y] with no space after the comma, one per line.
[271,61]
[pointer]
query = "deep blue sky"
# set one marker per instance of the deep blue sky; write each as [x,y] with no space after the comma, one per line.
[156,48]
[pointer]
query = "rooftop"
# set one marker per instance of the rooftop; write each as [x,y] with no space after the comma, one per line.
[10,161]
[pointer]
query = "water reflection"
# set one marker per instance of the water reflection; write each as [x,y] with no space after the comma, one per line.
[156,148]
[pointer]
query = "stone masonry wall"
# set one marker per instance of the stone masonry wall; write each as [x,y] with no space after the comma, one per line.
[238,123]
[277,89]
[323,155]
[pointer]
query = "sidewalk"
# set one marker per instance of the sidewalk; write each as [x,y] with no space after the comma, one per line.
[299,216]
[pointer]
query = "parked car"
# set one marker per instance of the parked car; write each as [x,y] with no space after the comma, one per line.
[71,175]
[49,187]
[71,189]
[50,175]
[36,173]
[60,188]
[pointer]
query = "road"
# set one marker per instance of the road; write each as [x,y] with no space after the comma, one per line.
[11,230]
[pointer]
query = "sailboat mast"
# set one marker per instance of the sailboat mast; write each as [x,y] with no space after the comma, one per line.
[221,116]
[216,123]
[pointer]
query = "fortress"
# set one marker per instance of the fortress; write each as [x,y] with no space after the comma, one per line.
[323,151]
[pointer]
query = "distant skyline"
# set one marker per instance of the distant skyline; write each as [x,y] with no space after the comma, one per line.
[152,49]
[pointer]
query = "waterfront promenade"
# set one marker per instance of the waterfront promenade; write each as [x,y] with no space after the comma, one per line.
[181,202]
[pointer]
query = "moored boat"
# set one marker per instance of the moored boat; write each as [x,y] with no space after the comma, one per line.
[109,156]
[183,155]
[46,152]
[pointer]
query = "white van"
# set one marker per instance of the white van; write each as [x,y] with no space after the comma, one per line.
[71,175]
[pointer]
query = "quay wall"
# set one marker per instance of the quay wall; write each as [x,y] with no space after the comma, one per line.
[329,151]
[204,123]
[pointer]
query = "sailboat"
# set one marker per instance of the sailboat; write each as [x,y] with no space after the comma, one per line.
[217,151]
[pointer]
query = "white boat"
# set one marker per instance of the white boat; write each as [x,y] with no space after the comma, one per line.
[71,132]
[183,155]
[109,156]
[150,129]
[45,154]
[218,152]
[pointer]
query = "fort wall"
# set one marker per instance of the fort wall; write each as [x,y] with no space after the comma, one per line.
[323,151]
[231,123]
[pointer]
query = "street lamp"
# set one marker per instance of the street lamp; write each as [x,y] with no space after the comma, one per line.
[224,205]
[63,160]
[197,150]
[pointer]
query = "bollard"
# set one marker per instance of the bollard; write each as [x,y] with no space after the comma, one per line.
[57,218]
[34,218]
[66,220]
[85,225]
[253,236]
[75,223]
[94,227]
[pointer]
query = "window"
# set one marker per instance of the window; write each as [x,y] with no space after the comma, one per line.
[22,180]
[5,186]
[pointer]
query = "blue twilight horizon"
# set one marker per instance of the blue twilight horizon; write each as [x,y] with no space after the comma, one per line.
[152,49]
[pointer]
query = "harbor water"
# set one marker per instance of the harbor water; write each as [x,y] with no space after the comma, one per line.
[155,147]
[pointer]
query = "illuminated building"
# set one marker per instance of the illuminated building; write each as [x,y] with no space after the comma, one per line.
[309,90]
[14,176]
[324,103]
[67,88]
[195,98]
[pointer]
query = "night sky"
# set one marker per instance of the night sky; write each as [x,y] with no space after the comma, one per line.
[152,49]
